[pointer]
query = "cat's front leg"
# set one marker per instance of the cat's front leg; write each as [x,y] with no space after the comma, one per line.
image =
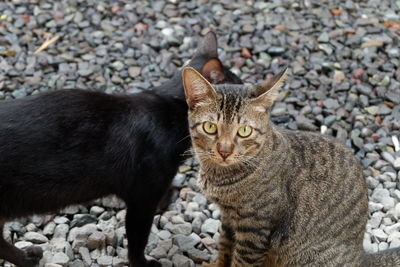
[139,218]
[225,247]
[250,247]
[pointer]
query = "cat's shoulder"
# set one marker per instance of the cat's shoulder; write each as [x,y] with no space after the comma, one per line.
[313,139]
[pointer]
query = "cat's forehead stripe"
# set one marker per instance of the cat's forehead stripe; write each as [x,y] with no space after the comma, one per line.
[231,101]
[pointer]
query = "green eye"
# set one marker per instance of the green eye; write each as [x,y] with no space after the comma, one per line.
[209,127]
[245,131]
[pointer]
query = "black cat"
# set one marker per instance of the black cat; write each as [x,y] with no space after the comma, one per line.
[72,146]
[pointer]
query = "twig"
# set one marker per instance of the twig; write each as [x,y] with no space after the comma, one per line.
[46,44]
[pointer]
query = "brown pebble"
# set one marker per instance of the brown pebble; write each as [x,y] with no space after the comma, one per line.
[245,53]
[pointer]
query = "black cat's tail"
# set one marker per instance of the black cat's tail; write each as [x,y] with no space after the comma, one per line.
[387,258]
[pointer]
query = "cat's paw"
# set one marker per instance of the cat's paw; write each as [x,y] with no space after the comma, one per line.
[210,265]
[32,256]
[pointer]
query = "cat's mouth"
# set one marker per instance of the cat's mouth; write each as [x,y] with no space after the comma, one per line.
[225,162]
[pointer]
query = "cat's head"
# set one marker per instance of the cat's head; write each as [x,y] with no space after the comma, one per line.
[229,124]
[206,61]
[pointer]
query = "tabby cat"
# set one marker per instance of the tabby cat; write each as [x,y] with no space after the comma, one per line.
[287,198]
[71,146]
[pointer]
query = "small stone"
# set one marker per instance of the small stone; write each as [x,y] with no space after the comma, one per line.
[118,65]
[96,240]
[84,252]
[372,43]
[181,261]
[184,168]
[248,28]
[275,50]
[61,231]
[60,258]
[393,236]
[209,243]
[326,48]
[395,243]
[35,238]
[396,163]
[379,195]
[380,234]
[369,247]
[338,76]
[82,219]
[77,263]
[331,103]
[303,123]
[158,253]
[166,263]
[245,53]
[184,228]
[96,210]
[383,246]
[210,226]
[373,110]
[61,220]
[134,71]
[373,207]
[105,261]
[164,234]
[388,157]
[49,228]
[392,228]
[177,219]
[184,242]
[23,244]
[85,72]
[19,93]
[198,256]
[324,37]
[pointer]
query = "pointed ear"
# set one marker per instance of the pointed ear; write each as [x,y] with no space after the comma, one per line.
[265,93]
[213,71]
[208,47]
[197,89]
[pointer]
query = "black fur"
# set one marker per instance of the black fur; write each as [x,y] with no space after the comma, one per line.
[72,146]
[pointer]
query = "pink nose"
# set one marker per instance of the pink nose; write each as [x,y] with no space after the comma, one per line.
[225,150]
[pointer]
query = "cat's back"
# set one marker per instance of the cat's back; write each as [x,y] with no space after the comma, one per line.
[75,108]
[322,156]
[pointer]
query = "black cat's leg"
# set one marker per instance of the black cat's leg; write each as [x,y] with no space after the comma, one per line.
[139,218]
[22,258]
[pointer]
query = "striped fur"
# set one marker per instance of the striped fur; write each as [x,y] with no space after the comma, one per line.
[287,198]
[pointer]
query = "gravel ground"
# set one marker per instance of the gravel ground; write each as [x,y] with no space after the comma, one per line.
[344,81]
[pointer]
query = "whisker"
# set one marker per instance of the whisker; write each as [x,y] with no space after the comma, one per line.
[183,138]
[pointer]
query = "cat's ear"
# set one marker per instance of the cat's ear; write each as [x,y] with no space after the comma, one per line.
[197,89]
[266,92]
[213,71]
[208,46]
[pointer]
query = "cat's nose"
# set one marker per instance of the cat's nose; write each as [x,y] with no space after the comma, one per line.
[225,150]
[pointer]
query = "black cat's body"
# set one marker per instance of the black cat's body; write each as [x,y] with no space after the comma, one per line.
[48,161]
[68,147]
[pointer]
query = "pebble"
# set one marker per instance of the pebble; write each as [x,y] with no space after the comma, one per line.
[210,226]
[343,81]
[35,238]
[59,258]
